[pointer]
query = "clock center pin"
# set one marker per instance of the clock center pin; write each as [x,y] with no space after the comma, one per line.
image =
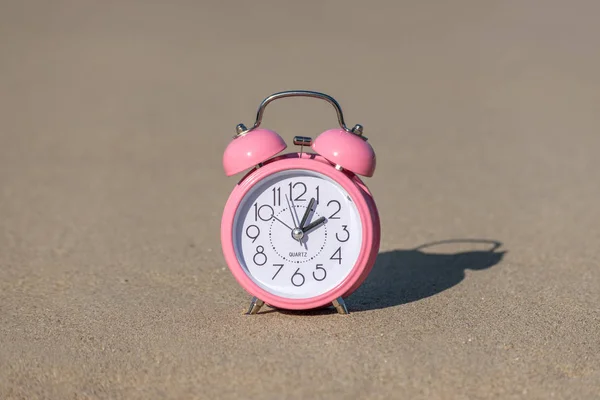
[297,234]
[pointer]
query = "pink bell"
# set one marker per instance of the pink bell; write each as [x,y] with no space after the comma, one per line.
[346,149]
[251,148]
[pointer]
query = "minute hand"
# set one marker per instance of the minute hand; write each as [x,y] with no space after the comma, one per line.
[307,213]
[313,224]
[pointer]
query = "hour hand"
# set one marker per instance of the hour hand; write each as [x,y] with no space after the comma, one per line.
[313,224]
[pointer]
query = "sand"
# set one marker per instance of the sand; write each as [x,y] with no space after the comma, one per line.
[485,120]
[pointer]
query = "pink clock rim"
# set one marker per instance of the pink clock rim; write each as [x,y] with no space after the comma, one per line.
[365,253]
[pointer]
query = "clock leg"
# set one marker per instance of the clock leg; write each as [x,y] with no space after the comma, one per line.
[340,306]
[255,305]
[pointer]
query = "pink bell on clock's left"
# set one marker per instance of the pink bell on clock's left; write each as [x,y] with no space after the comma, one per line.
[347,149]
[250,148]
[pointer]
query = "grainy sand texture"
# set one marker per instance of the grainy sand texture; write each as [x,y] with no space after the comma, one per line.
[485,117]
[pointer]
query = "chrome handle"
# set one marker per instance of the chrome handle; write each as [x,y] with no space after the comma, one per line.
[300,93]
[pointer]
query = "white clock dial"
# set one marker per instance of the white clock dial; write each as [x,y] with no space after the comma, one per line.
[284,256]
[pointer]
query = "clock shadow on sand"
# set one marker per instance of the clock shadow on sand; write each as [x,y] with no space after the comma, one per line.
[403,276]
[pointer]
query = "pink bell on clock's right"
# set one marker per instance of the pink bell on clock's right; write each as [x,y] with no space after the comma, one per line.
[249,148]
[348,150]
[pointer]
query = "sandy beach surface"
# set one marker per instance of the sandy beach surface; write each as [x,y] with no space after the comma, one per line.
[485,117]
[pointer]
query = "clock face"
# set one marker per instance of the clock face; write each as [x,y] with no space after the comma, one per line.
[297,234]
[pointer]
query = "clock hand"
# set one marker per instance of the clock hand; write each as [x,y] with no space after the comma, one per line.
[313,224]
[307,213]
[286,225]
[291,211]
[305,218]
[296,232]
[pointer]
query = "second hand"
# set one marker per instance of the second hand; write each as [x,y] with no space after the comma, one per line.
[286,225]
[291,211]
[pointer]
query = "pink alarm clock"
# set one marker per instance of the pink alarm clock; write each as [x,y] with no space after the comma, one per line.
[300,230]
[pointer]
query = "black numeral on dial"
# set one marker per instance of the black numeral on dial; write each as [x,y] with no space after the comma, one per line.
[337,255]
[279,269]
[337,205]
[298,279]
[252,231]
[260,258]
[264,212]
[276,196]
[345,236]
[293,189]
[319,271]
